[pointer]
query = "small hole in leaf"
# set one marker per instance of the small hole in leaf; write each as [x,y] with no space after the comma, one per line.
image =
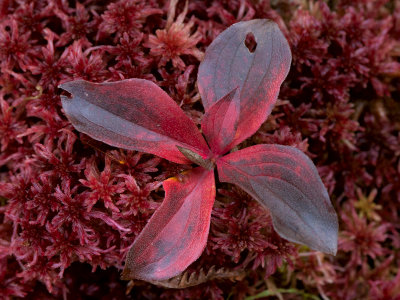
[67,94]
[250,42]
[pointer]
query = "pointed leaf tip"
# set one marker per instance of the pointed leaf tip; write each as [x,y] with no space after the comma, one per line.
[133,114]
[220,122]
[285,181]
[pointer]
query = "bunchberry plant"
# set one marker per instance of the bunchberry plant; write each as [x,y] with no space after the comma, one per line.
[239,88]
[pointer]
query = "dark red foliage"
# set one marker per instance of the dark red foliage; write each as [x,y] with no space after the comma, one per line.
[338,104]
[136,114]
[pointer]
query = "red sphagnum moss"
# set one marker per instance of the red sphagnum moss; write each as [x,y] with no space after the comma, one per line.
[69,204]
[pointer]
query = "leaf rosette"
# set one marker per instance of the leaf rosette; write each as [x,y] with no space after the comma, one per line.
[239,89]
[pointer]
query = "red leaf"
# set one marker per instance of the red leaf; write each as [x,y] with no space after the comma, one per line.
[284,180]
[219,124]
[177,233]
[133,114]
[228,64]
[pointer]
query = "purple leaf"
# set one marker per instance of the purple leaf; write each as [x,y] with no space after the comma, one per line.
[177,233]
[133,114]
[228,64]
[219,124]
[285,181]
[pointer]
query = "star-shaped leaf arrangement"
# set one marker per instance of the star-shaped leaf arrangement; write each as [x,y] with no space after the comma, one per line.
[238,89]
